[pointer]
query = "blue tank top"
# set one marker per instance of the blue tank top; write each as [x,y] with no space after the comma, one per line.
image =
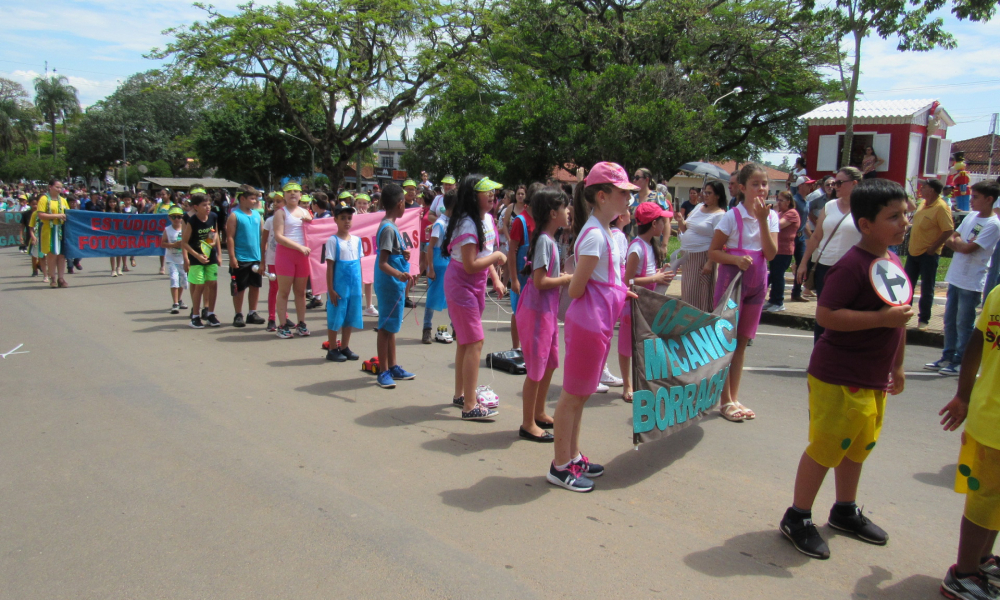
[247,236]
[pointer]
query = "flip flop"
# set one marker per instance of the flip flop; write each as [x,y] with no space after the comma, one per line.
[729,412]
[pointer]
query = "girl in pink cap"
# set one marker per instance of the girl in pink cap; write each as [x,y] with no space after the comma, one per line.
[745,239]
[471,242]
[597,294]
[642,269]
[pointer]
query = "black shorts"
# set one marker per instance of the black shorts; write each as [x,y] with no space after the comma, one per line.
[245,277]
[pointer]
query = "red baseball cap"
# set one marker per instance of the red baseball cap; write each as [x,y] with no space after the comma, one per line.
[647,212]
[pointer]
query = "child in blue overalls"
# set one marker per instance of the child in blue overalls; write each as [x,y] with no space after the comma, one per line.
[343,282]
[392,275]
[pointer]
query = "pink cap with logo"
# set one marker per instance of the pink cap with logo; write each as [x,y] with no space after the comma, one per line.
[609,172]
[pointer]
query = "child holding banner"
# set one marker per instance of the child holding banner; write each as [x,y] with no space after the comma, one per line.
[470,240]
[539,310]
[361,204]
[598,295]
[291,258]
[864,308]
[270,245]
[744,240]
[174,258]
[437,265]
[392,275]
[642,269]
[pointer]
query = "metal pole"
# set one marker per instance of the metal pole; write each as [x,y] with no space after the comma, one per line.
[993,137]
[124,160]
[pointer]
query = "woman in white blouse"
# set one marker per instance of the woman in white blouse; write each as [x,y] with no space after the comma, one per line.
[698,272]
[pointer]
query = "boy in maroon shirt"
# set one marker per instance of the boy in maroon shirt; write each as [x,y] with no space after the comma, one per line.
[864,309]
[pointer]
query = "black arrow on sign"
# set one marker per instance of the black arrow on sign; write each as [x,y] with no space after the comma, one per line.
[889,282]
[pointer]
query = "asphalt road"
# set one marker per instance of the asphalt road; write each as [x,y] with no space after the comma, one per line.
[145,459]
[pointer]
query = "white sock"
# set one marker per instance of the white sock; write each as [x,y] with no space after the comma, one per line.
[564,467]
[577,458]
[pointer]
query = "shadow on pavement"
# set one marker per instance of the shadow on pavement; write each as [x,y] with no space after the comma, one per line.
[914,586]
[165,327]
[147,312]
[406,415]
[329,389]
[460,444]
[249,337]
[756,553]
[626,469]
[944,478]
[298,362]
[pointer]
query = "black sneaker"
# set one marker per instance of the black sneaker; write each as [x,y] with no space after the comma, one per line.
[571,478]
[204,313]
[238,320]
[183,306]
[212,321]
[289,324]
[175,309]
[271,327]
[408,303]
[314,303]
[973,587]
[590,469]
[348,354]
[196,322]
[335,355]
[479,413]
[803,535]
[254,319]
[459,402]
[859,525]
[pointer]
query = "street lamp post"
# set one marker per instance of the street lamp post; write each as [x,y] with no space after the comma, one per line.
[312,152]
[124,160]
[736,90]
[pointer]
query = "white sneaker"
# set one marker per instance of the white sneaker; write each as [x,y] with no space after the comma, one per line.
[487,397]
[370,311]
[775,308]
[601,389]
[608,378]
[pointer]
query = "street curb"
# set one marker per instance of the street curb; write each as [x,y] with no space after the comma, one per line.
[914,337]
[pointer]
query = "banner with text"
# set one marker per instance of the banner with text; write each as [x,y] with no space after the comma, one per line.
[10,229]
[365,227]
[681,359]
[88,234]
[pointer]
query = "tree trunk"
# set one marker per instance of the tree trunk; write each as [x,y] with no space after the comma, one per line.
[852,92]
[52,122]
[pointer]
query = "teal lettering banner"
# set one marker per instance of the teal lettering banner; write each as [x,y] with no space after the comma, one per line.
[10,229]
[680,360]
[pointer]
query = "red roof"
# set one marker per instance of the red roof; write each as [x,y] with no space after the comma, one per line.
[977,153]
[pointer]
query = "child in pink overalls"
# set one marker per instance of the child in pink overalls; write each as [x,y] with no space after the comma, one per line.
[538,309]
[739,246]
[642,265]
[597,294]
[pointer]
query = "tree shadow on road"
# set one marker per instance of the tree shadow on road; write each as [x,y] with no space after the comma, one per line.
[755,553]
[944,478]
[406,415]
[625,470]
[460,444]
[914,586]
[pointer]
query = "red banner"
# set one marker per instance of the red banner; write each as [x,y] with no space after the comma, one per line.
[365,227]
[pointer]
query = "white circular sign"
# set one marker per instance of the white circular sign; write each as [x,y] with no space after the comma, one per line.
[890,282]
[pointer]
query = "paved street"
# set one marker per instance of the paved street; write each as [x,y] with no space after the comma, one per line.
[144,459]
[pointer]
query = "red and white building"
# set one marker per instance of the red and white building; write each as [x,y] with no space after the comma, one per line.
[909,135]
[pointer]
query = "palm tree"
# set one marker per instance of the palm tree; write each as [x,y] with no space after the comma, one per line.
[17,124]
[55,99]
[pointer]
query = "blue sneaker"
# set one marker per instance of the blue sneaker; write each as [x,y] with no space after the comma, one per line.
[399,372]
[385,380]
[936,365]
[950,369]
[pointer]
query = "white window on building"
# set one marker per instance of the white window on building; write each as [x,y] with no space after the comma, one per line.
[936,156]
[827,158]
[387,161]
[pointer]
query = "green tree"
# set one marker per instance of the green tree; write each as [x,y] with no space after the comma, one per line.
[154,117]
[56,99]
[367,61]
[913,23]
[643,82]
[17,117]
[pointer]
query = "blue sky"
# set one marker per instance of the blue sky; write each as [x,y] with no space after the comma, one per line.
[96,43]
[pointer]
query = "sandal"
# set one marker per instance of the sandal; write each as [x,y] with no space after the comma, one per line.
[132,262]
[731,412]
[63,284]
[748,414]
[53,283]
[627,397]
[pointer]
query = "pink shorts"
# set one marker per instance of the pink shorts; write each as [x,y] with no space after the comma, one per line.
[290,263]
[541,350]
[466,297]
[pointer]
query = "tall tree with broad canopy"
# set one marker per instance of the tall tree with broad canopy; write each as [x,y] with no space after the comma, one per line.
[17,117]
[56,99]
[646,83]
[912,22]
[369,61]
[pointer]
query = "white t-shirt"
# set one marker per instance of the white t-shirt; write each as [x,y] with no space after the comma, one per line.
[700,229]
[618,237]
[465,233]
[545,248]
[272,242]
[751,229]
[173,255]
[437,206]
[350,249]
[438,229]
[595,242]
[968,271]
[641,249]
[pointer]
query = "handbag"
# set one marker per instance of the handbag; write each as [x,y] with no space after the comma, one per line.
[810,283]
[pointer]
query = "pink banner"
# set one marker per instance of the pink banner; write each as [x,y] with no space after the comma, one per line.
[365,227]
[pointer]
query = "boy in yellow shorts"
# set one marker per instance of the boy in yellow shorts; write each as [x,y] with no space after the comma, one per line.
[864,308]
[978,476]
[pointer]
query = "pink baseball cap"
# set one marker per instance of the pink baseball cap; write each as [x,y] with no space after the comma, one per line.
[609,172]
[647,212]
